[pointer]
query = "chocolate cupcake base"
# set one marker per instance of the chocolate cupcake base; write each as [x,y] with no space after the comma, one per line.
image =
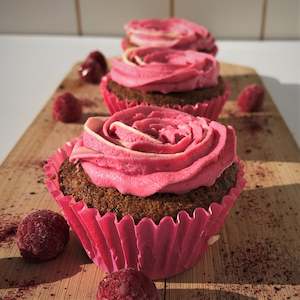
[73,181]
[206,102]
[160,99]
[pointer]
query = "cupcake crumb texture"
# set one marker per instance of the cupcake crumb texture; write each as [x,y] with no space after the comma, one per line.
[75,182]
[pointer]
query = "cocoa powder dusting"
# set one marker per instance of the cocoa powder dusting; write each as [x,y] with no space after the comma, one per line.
[42,163]
[255,124]
[23,289]
[260,269]
[261,262]
[8,229]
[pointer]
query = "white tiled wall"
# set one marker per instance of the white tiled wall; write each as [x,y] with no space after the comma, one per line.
[226,19]
[38,16]
[108,17]
[283,19]
[246,19]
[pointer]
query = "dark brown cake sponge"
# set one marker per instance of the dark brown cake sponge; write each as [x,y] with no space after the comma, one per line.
[175,98]
[74,181]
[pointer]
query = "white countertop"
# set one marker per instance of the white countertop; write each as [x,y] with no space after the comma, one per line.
[33,66]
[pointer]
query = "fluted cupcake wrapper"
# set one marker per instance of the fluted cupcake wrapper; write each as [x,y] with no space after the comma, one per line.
[159,250]
[210,109]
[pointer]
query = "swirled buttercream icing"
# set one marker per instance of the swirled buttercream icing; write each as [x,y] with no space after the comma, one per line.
[165,70]
[145,150]
[171,33]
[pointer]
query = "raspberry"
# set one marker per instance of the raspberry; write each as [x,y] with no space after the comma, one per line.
[66,108]
[127,284]
[42,235]
[93,68]
[251,98]
[90,71]
[100,59]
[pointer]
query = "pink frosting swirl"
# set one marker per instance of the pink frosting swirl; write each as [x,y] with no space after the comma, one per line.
[171,33]
[145,150]
[165,70]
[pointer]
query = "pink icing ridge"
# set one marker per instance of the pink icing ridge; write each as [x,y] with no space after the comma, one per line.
[210,109]
[171,33]
[159,250]
[165,70]
[145,150]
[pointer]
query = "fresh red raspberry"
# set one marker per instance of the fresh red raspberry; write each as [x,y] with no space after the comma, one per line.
[42,235]
[67,108]
[100,59]
[251,98]
[127,284]
[93,68]
[90,71]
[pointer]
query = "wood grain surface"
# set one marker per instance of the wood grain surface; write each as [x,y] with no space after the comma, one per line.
[257,256]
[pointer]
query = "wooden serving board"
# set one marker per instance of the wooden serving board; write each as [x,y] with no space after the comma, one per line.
[258,254]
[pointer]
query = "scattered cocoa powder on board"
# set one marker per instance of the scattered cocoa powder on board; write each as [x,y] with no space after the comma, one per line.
[23,289]
[8,228]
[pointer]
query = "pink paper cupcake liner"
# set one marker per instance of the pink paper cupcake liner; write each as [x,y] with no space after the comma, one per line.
[210,109]
[159,250]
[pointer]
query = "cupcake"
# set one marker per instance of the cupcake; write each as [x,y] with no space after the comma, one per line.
[185,80]
[147,188]
[169,33]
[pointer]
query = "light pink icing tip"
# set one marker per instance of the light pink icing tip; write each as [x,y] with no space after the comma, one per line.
[165,70]
[170,33]
[146,150]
